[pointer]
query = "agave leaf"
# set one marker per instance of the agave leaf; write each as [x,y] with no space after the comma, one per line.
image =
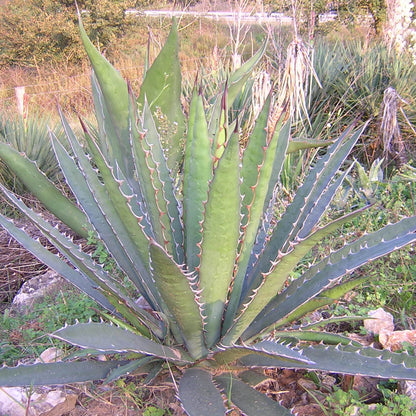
[296,144]
[104,126]
[127,369]
[281,271]
[218,254]
[347,359]
[273,282]
[45,256]
[57,373]
[220,140]
[253,378]
[106,131]
[316,212]
[264,153]
[161,88]
[154,370]
[263,231]
[176,290]
[325,298]
[138,240]
[104,337]
[94,199]
[115,101]
[310,202]
[268,348]
[232,88]
[167,197]
[315,336]
[250,401]
[95,281]
[310,199]
[47,193]
[333,320]
[157,185]
[198,394]
[283,132]
[198,166]
[324,274]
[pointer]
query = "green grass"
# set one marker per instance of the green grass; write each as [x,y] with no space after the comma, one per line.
[26,335]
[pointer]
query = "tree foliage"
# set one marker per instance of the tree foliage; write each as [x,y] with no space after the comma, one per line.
[356,9]
[38,31]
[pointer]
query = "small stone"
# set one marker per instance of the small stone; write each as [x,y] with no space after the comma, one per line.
[55,403]
[380,321]
[36,289]
[51,355]
[394,340]
[308,410]
[306,384]
[14,401]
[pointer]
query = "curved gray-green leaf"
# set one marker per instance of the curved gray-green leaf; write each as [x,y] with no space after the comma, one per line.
[47,193]
[250,401]
[347,359]
[57,373]
[198,394]
[104,337]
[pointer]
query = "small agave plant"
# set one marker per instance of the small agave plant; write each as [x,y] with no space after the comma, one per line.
[201,247]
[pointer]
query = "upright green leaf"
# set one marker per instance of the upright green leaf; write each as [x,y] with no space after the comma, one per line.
[161,88]
[221,229]
[115,102]
[233,86]
[198,166]
[105,216]
[157,185]
[311,199]
[182,299]
[265,151]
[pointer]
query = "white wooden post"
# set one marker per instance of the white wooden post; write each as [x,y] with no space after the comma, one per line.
[20,96]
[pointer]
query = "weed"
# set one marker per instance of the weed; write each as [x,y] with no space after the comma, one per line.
[26,335]
[349,403]
[153,411]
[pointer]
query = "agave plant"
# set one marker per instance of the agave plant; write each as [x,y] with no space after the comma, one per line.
[203,249]
[29,135]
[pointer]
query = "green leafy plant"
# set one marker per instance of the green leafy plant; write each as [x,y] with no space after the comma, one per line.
[350,403]
[30,136]
[202,248]
[22,336]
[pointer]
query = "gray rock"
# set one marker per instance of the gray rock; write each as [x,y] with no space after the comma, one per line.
[20,401]
[36,289]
